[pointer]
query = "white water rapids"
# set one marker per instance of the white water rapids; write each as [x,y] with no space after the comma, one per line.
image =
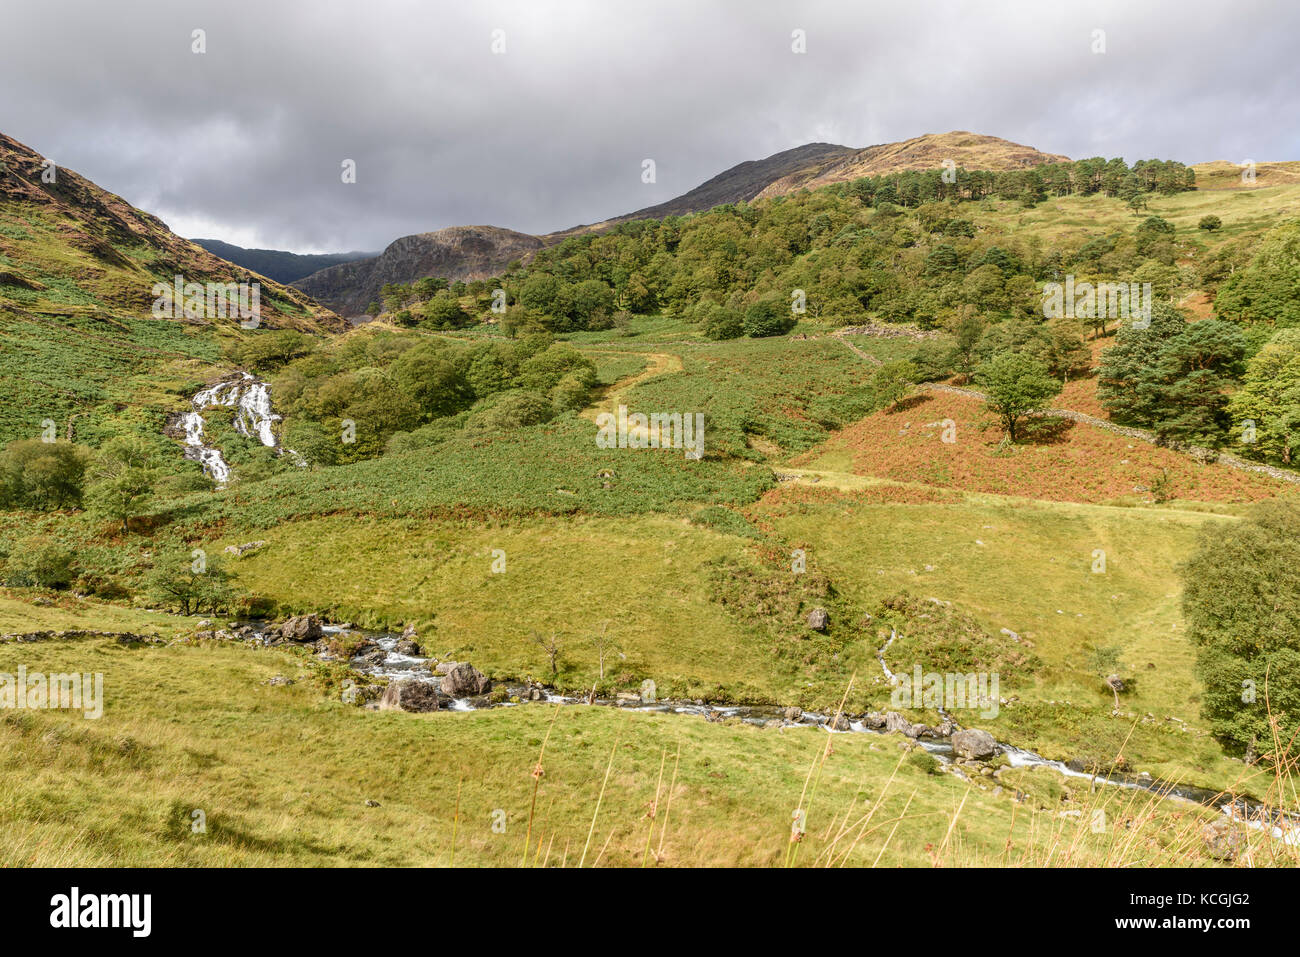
[250,399]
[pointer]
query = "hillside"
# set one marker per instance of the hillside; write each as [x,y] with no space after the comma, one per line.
[473,252]
[69,247]
[277,264]
[78,266]
[459,252]
[967,150]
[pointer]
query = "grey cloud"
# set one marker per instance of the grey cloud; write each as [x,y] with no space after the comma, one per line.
[245,142]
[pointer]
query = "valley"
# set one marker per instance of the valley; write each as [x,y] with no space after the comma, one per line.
[434,475]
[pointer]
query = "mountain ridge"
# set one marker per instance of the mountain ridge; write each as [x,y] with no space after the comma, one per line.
[350,287]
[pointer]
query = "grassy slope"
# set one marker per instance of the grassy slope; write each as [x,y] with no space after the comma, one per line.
[282,776]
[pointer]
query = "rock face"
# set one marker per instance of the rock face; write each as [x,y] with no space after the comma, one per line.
[459,252]
[465,681]
[299,628]
[818,619]
[416,696]
[973,743]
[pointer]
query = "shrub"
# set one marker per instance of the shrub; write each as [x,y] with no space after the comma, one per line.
[38,562]
[767,317]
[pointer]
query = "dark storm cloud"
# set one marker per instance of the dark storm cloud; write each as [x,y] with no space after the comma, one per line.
[245,142]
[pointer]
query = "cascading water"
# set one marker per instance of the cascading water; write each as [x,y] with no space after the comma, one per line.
[250,398]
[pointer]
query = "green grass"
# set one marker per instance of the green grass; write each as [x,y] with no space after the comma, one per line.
[282,775]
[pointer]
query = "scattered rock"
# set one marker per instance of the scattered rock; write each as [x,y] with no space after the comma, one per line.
[238,550]
[278,681]
[973,743]
[373,804]
[818,619]
[839,723]
[792,714]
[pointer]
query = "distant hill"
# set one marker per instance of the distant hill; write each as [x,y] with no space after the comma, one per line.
[277,264]
[967,150]
[467,252]
[459,252]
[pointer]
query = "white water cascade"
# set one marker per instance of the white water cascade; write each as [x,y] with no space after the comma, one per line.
[250,399]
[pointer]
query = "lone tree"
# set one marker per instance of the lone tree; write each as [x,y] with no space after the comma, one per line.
[1016,385]
[552,648]
[1242,605]
[1209,223]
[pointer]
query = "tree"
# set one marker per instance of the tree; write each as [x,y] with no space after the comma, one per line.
[1268,290]
[1209,223]
[443,312]
[768,317]
[38,562]
[552,648]
[42,475]
[122,480]
[190,584]
[893,382]
[1016,385]
[1241,601]
[720,322]
[1266,409]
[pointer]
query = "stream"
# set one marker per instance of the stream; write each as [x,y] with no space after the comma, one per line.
[396,666]
[250,400]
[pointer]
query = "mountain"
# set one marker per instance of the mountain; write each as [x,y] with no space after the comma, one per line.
[69,247]
[967,150]
[468,252]
[459,252]
[277,264]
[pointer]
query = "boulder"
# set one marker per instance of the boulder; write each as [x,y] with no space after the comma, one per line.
[407,646]
[818,619]
[300,628]
[840,723]
[418,696]
[874,720]
[895,722]
[792,714]
[464,680]
[973,743]
[447,667]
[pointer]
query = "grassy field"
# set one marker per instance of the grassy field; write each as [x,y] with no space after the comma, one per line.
[282,775]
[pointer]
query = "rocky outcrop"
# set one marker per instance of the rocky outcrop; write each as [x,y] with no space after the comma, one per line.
[460,252]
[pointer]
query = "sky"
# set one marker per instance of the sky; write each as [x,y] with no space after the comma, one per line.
[539,115]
